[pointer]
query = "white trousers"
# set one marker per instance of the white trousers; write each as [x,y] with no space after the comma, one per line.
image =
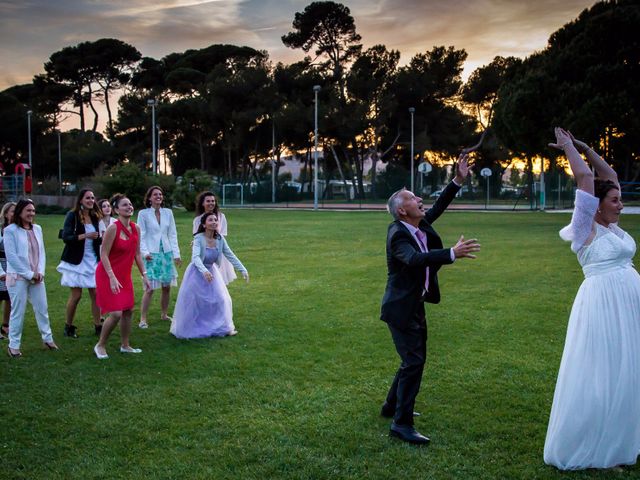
[37,295]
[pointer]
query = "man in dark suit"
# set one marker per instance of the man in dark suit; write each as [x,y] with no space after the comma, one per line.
[414,256]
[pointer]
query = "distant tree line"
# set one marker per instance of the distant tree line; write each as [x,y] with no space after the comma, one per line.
[229,110]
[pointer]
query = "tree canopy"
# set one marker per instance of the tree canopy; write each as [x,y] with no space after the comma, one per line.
[229,110]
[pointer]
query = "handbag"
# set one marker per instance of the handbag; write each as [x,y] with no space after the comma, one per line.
[75,227]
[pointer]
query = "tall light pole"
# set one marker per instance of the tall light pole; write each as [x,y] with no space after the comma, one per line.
[158,148]
[152,103]
[316,89]
[273,161]
[29,136]
[542,189]
[59,162]
[412,111]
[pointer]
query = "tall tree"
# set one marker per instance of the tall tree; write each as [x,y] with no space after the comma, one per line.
[69,67]
[330,29]
[585,80]
[113,61]
[481,89]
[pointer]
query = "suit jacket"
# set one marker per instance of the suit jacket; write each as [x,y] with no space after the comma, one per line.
[153,234]
[73,248]
[16,246]
[199,249]
[406,265]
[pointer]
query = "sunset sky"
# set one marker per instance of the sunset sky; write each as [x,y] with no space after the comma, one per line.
[31,30]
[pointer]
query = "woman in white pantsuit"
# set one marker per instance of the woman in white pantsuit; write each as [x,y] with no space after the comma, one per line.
[24,247]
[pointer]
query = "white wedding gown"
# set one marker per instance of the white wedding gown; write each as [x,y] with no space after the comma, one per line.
[595,417]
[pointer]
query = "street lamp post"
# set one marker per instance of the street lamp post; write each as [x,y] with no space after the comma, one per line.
[542,188]
[59,162]
[412,111]
[158,148]
[316,89]
[29,136]
[152,103]
[273,161]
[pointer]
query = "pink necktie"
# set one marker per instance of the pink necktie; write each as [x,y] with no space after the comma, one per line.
[422,240]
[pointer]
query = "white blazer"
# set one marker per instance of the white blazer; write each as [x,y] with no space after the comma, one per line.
[199,250]
[152,234]
[16,248]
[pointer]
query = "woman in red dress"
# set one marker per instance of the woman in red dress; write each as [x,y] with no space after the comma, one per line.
[114,288]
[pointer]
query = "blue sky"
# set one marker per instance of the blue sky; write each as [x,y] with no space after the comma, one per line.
[31,30]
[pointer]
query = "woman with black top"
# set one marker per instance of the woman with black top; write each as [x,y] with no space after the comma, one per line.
[80,257]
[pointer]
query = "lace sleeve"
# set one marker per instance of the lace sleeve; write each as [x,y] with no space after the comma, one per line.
[578,231]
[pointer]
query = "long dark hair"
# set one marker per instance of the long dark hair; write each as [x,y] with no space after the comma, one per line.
[601,187]
[20,206]
[200,202]
[94,213]
[203,221]
[147,196]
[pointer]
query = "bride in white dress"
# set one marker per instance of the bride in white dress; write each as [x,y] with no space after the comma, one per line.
[595,417]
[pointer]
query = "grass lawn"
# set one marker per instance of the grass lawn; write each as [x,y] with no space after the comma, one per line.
[297,393]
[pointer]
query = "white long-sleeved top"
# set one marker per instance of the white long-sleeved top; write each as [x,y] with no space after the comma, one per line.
[154,234]
[16,248]
[199,250]
[581,226]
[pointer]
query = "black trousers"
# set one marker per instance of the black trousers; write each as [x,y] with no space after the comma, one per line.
[411,345]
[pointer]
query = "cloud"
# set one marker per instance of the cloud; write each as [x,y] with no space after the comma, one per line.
[31,30]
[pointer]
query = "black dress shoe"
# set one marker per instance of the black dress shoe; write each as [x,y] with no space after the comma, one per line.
[408,434]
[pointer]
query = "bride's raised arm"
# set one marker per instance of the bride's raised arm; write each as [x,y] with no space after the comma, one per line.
[581,171]
[602,168]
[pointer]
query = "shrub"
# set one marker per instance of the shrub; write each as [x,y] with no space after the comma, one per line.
[129,179]
[191,184]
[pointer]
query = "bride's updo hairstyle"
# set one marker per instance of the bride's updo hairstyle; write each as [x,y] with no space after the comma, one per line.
[601,188]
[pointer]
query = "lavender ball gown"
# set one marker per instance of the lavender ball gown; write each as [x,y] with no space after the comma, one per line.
[203,309]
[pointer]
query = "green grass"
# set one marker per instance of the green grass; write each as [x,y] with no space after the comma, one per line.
[297,393]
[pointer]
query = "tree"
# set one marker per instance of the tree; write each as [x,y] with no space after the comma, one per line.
[369,83]
[92,70]
[330,28]
[430,84]
[70,68]
[112,61]
[481,89]
[585,80]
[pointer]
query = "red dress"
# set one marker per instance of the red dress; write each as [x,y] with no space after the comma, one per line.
[121,257]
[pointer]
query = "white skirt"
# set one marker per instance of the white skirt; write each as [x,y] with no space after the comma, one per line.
[79,276]
[595,417]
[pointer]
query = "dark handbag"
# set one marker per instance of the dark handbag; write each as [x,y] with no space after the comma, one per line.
[75,227]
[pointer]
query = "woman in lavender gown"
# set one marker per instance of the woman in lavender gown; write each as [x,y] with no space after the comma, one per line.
[203,307]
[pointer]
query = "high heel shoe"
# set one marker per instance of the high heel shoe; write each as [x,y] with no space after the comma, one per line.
[50,345]
[70,331]
[13,355]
